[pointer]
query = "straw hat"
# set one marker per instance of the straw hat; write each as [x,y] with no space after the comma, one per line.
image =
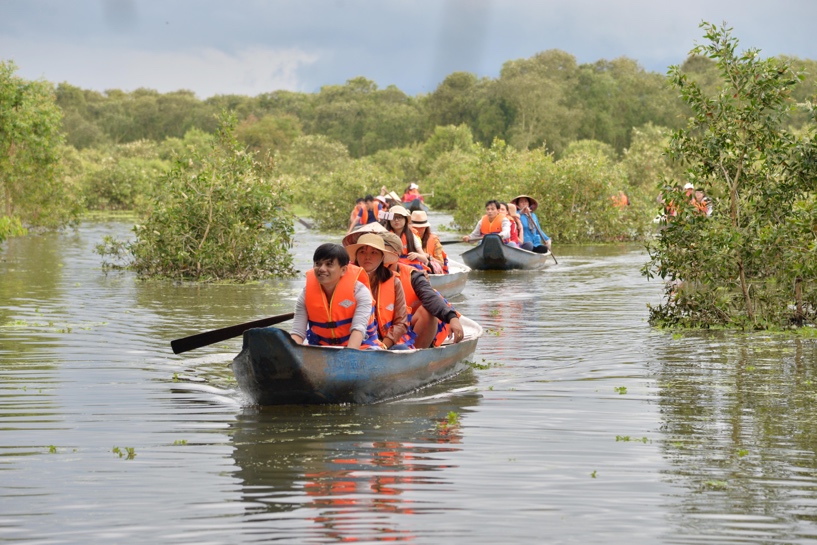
[399,211]
[393,196]
[374,241]
[534,204]
[381,199]
[352,237]
[393,241]
[419,219]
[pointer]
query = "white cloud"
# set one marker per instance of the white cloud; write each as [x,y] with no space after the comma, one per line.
[206,71]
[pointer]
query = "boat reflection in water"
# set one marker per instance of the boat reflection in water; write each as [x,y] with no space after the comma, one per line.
[355,466]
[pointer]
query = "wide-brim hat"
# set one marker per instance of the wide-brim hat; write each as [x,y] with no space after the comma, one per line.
[412,185]
[376,242]
[381,199]
[534,204]
[689,186]
[419,219]
[400,211]
[393,196]
[373,227]
[392,241]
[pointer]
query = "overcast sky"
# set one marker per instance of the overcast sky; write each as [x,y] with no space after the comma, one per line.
[251,47]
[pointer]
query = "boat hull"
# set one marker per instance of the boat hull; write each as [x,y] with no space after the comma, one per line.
[491,254]
[273,370]
[453,283]
[415,205]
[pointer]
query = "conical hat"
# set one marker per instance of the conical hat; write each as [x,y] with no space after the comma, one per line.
[534,204]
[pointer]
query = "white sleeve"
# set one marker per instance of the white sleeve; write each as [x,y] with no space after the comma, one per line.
[506,229]
[363,300]
[299,322]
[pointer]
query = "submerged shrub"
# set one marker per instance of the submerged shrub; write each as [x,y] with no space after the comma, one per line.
[221,216]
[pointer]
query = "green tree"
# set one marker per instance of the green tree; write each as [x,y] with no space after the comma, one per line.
[220,217]
[31,185]
[269,134]
[752,263]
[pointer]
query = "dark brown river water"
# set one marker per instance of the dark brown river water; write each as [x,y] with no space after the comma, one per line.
[583,424]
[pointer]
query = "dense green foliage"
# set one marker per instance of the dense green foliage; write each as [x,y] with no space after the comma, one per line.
[219,216]
[32,190]
[753,262]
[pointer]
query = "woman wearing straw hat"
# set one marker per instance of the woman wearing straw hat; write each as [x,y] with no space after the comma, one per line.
[430,242]
[533,236]
[412,253]
[431,317]
[391,315]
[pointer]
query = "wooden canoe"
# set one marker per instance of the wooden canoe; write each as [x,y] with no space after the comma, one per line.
[414,205]
[491,254]
[452,283]
[272,369]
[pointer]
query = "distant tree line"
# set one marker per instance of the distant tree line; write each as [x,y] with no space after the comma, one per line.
[548,100]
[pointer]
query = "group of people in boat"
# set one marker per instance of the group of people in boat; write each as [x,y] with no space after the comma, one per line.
[515,222]
[370,208]
[696,197]
[372,291]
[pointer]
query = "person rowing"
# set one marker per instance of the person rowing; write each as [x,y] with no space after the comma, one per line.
[533,237]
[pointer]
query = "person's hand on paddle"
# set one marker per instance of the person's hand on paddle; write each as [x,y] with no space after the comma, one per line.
[455,330]
[466,238]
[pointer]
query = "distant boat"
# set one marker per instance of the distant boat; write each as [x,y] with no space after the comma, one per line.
[491,254]
[272,369]
[452,283]
[415,205]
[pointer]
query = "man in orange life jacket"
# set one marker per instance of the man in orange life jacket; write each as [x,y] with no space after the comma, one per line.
[335,307]
[491,222]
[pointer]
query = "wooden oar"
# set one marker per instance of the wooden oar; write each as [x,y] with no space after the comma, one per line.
[209,337]
[444,242]
[543,238]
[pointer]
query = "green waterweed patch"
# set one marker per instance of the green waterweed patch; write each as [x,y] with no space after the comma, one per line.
[621,390]
[180,442]
[716,485]
[129,453]
[494,312]
[52,449]
[593,474]
[482,366]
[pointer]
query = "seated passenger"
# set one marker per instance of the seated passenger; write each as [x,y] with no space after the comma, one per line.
[431,318]
[430,243]
[366,213]
[391,316]
[412,252]
[504,208]
[491,223]
[335,307]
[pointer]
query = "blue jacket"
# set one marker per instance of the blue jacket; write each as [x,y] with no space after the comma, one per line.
[530,231]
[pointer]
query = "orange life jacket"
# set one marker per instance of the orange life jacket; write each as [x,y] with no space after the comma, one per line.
[330,321]
[487,226]
[384,306]
[404,258]
[431,245]
[443,329]
[412,302]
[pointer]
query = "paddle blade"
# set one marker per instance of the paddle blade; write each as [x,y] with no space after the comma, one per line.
[209,337]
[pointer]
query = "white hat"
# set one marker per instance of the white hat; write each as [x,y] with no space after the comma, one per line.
[381,199]
[400,211]
[689,186]
[412,185]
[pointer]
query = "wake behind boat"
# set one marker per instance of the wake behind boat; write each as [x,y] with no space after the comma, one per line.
[491,254]
[272,369]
